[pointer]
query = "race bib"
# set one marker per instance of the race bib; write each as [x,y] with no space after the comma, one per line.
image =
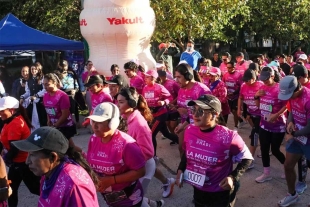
[50,111]
[194,177]
[265,107]
[230,84]
[149,95]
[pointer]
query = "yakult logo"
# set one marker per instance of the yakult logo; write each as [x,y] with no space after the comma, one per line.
[123,20]
[83,22]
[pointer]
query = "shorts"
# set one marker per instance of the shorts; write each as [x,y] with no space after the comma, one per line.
[68,131]
[233,104]
[294,147]
[255,130]
[173,116]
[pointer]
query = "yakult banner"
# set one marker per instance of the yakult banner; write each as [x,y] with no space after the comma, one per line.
[118,31]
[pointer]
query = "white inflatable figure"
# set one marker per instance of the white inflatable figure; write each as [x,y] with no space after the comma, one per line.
[118,31]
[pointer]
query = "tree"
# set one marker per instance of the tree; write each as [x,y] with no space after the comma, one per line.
[177,20]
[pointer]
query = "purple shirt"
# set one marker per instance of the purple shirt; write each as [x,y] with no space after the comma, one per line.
[270,104]
[73,187]
[137,82]
[247,93]
[233,83]
[212,154]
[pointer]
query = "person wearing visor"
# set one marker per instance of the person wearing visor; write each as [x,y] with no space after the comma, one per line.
[66,177]
[297,132]
[272,122]
[116,84]
[210,152]
[247,92]
[110,154]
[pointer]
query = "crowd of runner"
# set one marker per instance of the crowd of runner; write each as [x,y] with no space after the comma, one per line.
[189,104]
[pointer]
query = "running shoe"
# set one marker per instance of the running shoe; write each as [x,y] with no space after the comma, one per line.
[301,187]
[263,178]
[160,203]
[241,124]
[168,188]
[251,165]
[288,200]
[235,129]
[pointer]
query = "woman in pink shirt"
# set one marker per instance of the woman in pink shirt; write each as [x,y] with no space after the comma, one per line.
[90,71]
[67,179]
[210,152]
[136,81]
[189,90]
[219,90]
[157,98]
[57,106]
[116,158]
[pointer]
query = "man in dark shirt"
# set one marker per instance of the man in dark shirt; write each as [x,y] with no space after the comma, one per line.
[283,65]
[216,62]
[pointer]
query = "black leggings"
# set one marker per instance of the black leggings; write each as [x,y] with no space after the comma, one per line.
[215,199]
[303,165]
[19,172]
[255,130]
[271,139]
[160,125]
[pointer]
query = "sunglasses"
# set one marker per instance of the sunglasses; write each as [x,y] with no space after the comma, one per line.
[199,111]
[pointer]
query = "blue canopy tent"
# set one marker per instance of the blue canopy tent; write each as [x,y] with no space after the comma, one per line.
[15,35]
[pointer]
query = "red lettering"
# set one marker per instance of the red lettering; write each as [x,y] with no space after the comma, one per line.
[110,20]
[123,20]
[83,22]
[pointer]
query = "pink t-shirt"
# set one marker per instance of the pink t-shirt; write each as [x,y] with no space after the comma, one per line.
[84,75]
[223,68]
[172,87]
[300,109]
[120,155]
[98,98]
[242,66]
[270,104]
[137,82]
[155,93]
[73,187]
[307,85]
[220,91]
[233,83]
[292,64]
[53,106]
[247,93]
[212,154]
[185,95]
[141,132]
[307,65]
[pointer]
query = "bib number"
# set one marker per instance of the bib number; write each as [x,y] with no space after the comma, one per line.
[265,107]
[194,177]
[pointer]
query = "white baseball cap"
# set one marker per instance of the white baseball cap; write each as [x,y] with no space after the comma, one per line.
[302,56]
[8,102]
[104,111]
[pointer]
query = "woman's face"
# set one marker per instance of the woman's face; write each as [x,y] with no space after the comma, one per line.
[202,117]
[49,85]
[114,89]
[38,163]
[129,73]
[34,71]
[180,79]
[250,82]
[95,88]
[100,128]
[214,78]
[115,71]
[89,65]
[5,114]
[25,72]
[148,80]
[122,104]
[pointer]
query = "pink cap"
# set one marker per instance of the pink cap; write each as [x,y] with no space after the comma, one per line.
[152,73]
[215,71]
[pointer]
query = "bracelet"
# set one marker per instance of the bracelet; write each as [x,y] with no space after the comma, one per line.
[114,180]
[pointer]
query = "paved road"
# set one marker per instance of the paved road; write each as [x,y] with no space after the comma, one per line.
[251,194]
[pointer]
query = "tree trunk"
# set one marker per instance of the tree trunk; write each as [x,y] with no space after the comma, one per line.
[281,46]
[289,47]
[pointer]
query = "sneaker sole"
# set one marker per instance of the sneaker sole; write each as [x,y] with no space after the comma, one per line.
[301,192]
[262,181]
[288,204]
[171,191]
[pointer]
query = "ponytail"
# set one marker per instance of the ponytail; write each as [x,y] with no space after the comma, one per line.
[144,109]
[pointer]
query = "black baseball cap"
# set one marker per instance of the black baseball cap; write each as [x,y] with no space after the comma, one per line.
[207,102]
[254,66]
[119,80]
[266,73]
[44,138]
[299,71]
[95,79]
[248,75]
[240,54]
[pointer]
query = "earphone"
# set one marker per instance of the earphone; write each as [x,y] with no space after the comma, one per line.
[187,73]
[114,122]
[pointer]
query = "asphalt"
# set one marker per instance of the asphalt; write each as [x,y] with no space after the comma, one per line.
[251,194]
